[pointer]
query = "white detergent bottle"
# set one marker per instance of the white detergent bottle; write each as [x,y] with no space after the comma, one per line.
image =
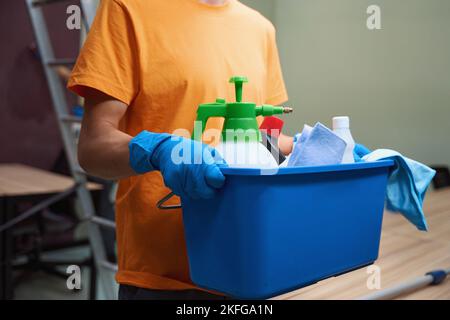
[341,127]
[241,139]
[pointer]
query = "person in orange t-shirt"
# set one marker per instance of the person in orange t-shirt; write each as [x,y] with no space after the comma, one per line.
[143,70]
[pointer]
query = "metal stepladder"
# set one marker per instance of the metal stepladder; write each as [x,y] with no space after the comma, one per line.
[85,209]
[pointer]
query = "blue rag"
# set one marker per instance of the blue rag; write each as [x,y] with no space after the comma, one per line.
[317,146]
[407,184]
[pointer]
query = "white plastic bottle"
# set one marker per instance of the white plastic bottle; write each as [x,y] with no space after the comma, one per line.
[341,127]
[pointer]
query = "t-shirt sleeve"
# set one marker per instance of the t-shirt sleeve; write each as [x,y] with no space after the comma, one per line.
[275,87]
[108,61]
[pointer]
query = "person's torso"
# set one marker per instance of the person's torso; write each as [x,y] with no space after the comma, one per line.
[186,54]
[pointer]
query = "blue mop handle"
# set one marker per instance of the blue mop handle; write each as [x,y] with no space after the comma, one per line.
[431,278]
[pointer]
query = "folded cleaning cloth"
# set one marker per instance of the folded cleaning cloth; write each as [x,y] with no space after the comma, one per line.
[317,146]
[407,184]
[306,130]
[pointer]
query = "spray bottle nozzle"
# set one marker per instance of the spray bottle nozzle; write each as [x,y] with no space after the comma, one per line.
[238,83]
[269,110]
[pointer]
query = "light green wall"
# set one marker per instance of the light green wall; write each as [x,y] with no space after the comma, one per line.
[265,7]
[394,83]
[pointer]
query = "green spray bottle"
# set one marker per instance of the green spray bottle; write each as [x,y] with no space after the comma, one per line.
[240,145]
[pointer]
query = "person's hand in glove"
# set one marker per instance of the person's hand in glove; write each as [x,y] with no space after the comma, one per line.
[189,168]
[360,151]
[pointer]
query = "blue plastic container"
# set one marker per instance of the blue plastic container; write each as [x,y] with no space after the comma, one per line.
[264,235]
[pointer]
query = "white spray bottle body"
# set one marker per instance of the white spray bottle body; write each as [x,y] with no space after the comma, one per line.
[246,155]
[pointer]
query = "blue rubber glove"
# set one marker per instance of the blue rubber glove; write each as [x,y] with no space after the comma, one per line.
[359,152]
[190,168]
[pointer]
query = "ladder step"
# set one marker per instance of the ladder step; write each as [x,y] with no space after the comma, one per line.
[44,2]
[60,62]
[70,119]
[103,222]
[80,170]
[108,265]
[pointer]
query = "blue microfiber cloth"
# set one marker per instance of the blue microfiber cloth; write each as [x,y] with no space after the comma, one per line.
[317,146]
[407,185]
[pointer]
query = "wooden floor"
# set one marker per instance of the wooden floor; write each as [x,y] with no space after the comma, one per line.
[405,253]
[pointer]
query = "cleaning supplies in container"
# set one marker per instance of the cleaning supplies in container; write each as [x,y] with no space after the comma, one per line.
[248,246]
[317,146]
[407,185]
[240,145]
[341,127]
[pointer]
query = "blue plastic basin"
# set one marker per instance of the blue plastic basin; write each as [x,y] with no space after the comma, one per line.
[264,235]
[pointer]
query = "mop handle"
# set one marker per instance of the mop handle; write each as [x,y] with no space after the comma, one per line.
[431,278]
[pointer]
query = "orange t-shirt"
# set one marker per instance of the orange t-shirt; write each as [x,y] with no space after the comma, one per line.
[164,58]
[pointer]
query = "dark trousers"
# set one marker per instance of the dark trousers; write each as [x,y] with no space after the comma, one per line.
[134,293]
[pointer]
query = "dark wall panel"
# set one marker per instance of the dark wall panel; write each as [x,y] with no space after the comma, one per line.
[28,129]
